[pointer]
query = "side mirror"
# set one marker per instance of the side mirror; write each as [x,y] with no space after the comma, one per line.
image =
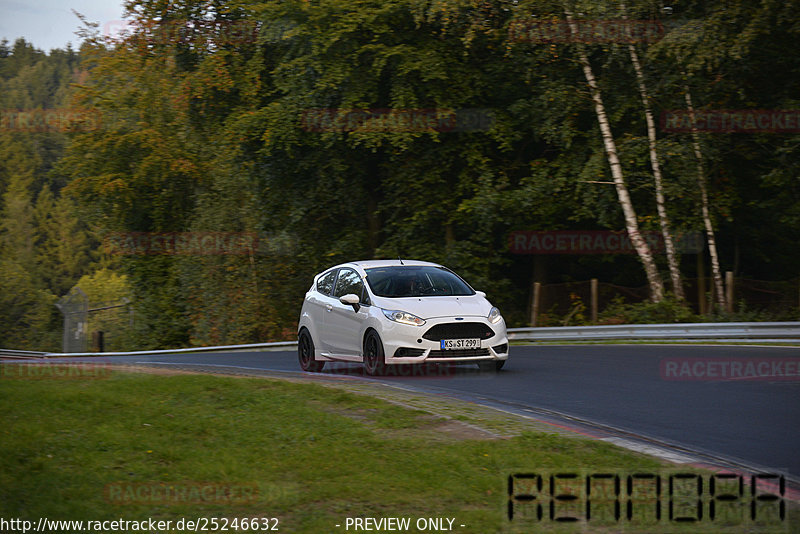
[480,294]
[352,300]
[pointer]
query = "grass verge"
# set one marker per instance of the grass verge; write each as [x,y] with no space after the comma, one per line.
[309,455]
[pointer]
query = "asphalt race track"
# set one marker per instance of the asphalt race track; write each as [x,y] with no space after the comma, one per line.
[753,421]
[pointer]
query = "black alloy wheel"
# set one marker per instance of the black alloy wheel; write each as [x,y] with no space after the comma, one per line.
[305,353]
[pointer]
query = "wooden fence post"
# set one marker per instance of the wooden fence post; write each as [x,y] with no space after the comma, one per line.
[537,289]
[701,284]
[729,290]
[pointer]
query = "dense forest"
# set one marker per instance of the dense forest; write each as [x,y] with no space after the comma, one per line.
[316,132]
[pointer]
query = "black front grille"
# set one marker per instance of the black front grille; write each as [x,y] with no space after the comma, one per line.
[462,353]
[458,331]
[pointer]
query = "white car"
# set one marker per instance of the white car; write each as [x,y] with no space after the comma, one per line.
[388,312]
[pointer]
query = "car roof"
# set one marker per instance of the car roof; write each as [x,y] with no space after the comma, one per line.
[368,264]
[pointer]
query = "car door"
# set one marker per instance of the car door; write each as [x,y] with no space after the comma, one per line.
[320,303]
[343,324]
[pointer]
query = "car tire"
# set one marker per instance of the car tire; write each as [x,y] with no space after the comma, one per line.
[492,366]
[305,353]
[374,357]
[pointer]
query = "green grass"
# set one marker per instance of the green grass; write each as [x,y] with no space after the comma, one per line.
[315,455]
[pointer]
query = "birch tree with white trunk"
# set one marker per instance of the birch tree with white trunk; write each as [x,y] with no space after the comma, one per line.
[640,245]
[716,271]
[663,218]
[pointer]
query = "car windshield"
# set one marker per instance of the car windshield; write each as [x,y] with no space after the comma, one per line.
[416,281]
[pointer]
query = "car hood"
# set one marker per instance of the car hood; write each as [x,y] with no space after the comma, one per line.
[432,307]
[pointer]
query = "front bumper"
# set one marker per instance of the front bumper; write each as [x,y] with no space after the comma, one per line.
[406,344]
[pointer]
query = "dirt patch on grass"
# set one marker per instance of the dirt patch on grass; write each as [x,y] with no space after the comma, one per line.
[430,427]
[452,430]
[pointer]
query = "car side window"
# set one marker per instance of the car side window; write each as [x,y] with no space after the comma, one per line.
[325,282]
[365,297]
[348,282]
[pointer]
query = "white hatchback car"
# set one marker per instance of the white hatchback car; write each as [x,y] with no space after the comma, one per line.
[387,312]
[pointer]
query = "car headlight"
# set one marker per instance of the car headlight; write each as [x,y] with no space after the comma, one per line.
[403,317]
[494,315]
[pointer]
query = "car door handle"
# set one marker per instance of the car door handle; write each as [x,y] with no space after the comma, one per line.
[328,308]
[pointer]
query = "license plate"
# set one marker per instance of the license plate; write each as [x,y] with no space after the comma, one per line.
[460,344]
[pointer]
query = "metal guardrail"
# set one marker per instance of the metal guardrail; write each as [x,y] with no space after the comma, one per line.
[277,345]
[677,331]
[20,354]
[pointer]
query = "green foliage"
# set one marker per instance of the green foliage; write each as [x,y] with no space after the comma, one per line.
[743,313]
[669,310]
[208,135]
[64,249]
[28,313]
[104,286]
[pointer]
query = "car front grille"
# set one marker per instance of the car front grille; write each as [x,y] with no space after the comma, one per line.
[458,331]
[465,353]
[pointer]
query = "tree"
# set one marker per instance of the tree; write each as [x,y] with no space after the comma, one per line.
[28,311]
[658,179]
[631,222]
[63,248]
[18,232]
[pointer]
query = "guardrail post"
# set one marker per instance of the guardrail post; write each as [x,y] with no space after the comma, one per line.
[594,300]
